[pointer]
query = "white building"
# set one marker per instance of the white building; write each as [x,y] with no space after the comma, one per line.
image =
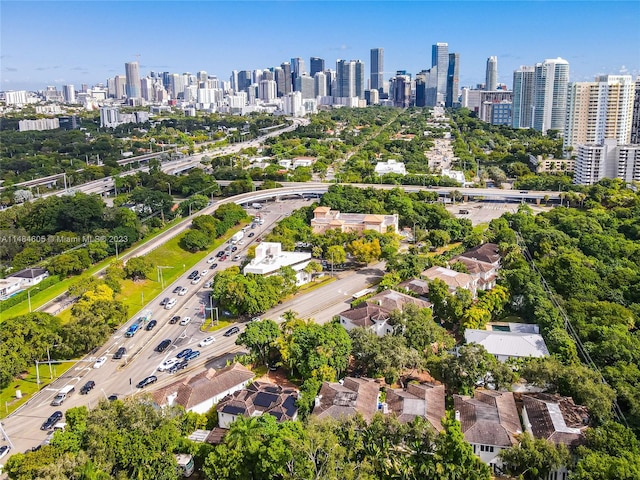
[390,166]
[457,175]
[18,97]
[109,117]
[550,95]
[270,259]
[521,342]
[607,160]
[293,104]
[38,124]
[29,276]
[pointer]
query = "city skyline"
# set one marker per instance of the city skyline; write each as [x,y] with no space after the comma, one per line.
[57,43]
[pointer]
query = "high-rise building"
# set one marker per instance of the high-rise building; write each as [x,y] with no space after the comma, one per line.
[491,79]
[320,84]
[316,65]
[345,79]
[421,89]
[69,93]
[330,76]
[451,99]
[120,84]
[286,69]
[400,90]
[606,160]
[245,78]
[550,95]
[146,89]
[132,71]
[267,90]
[306,86]
[440,59]
[297,68]
[599,110]
[377,69]
[234,80]
[635,121]
[523,85]
[359,79]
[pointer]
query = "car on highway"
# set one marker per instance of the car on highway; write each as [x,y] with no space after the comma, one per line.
[183,291]
[177,289]
[220,253]
[208,284]
[4,450]
[163,345]
[192,355]
[151,325]
[174,319]
[167,364]
[223,258]
[251,234]
[233,249]
[52,420]
[179,366]
[164,301]
[145,381]
[215,265]
[236,258]
[99,362]
[207,341]
[184,353]
[204,272]
[170,304]
[87,387]
[119,353]
[211,259]
[231,331]
[112,398]
[193,275]
[195,280]
[255,319]
[185,321]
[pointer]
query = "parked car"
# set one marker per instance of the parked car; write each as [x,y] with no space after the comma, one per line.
[52,420]
[163,345]
[192,355]
[185,321]
[231,331]
[99,362]
[207,341]
[87,387]
[184,353]
[150,326]
[146,381]
[119,353]
[174,319]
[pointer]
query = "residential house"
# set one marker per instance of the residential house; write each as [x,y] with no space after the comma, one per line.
[485,273]
[348,398]
[258,398]
[376,311]
[29,276]
[390,166]
[489,422]
[453,279]
[417,400]
[505,345]
[487,252]
[417,286]
[9,286]
[199,392]
[326,219]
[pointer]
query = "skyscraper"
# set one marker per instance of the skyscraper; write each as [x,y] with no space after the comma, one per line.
[377,69]
[297,68]
[523,84]
[440,59]
[316,65]
[245,78]
[599,110]
[550,95]
[452,80]
[400,90]
[306,86]
[360,86]
[132,71]
[491,81]
[320,84]
[345,79]
[69,93]
[120,83]
[286,69]
[635,122]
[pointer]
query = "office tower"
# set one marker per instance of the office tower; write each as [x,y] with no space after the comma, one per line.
[69,93]
[120,84]
[421,89]
[234,80]
[278,76]
[132,71]
[550,95]
[292,103]
[523,85]
[453,70]
[491,79]
[146,88]
[635,121]
[244,80]
[440,59]
[257,76]
[267,75]
[176,85]
[345,79]
[372,97]
[606,160]
[316,65]
[297,68]
[330,76]
[599,110]
[400,90]
[286,68]
[360,85]
[306,86]
[320,84]
[267,90]
[377,69]
[202,76]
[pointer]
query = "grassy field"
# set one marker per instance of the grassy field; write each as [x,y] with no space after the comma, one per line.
[28,386]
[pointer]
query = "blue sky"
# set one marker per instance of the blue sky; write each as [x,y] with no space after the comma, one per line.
[54,43]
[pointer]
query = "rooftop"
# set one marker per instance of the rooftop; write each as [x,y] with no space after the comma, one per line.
[487,252]
[260,398]
[556,418]
[511,344]
[352,396]
[425,400]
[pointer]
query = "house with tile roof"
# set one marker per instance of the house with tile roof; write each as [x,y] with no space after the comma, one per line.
[348,398]
[555,418]
[487,252]
[326,219]
[417,400]
[418,286]
[508,344]
[199,392]
[259,398]
[485,273]
[453,279]
[489,422]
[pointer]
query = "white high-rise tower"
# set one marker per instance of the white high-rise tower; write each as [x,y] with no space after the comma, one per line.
[550,94]
[491,80]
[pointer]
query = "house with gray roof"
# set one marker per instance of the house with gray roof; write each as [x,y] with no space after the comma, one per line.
[487,252]
[508,344]
[347,398]
[417,400]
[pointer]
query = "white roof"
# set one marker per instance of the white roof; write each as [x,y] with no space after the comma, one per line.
[511,344]
[269,260]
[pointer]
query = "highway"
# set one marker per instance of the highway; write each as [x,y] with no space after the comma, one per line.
[119,377]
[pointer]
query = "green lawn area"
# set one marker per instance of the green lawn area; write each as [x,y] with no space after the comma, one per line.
[28,386]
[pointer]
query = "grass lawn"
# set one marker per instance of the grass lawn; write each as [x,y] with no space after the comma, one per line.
[28,386]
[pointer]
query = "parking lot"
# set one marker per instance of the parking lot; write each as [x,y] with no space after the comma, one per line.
[484,212]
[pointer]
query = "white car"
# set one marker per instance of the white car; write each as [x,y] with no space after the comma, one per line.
[99,362]
[196,280]
[183,291]
[206,341]
[255,319]
[211,259]
[168,363]
[185,321]
[204,273]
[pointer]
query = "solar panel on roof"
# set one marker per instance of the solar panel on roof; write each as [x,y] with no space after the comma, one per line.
[278,415]
[264,399]
[233,409]
[290,406]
